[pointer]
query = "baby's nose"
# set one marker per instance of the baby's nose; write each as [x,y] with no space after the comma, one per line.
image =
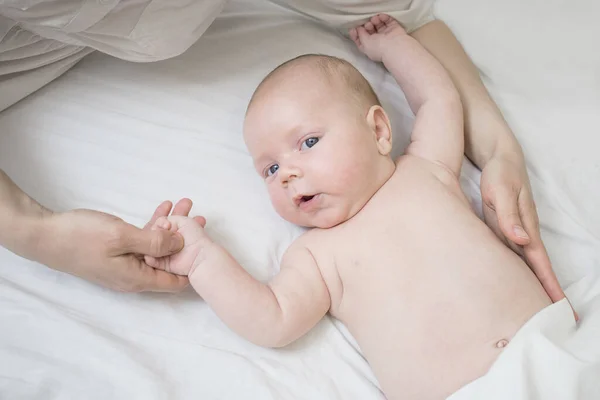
[288,173]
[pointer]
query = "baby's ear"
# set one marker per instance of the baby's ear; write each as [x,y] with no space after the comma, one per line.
[379,123]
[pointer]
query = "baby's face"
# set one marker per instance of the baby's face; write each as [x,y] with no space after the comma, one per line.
[315,151]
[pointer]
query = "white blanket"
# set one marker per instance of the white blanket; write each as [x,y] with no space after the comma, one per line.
[121,137]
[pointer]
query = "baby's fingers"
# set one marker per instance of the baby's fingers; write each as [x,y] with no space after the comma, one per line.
[363,35]
[384,18]
[161,223]
[353,34]
[369,27]
[377,22]
[390,23]
[162,210]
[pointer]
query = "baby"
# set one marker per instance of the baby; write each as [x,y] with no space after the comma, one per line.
[428,291]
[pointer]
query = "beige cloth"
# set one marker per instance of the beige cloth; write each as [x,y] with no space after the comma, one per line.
[41,39]
[345,14]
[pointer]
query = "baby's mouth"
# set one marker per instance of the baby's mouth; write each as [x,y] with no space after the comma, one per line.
[303,199]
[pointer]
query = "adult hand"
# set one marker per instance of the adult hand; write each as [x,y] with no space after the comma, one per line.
[105,249]
[197,243]
[510,211]
[182,208]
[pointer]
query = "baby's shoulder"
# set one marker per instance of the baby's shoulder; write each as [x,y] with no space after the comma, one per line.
[312,239]
[303,243]
[409,165]
[322,244]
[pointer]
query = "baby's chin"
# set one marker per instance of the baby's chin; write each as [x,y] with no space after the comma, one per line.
[315,221]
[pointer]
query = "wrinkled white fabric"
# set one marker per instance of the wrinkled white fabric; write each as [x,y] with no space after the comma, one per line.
[41,39]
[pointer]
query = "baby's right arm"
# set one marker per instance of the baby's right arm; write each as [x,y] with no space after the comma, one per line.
[438,132]
[270,315]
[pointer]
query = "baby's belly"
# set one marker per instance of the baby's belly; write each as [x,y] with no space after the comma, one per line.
[431,321]
[428,348]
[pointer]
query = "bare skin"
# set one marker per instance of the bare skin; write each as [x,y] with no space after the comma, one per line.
[92,245]
[508,204]
[427,289]
[428,318]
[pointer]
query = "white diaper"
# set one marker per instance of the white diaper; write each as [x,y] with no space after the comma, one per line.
[537,363]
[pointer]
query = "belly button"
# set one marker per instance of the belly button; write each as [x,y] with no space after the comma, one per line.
[502,343]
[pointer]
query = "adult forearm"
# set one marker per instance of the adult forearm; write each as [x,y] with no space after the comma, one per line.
[486,132]
[20,218]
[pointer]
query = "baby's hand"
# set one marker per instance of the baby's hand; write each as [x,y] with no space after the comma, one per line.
[372,38]
[194,241]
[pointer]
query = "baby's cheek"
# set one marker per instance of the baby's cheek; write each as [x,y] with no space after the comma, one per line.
[279,202]
[288,212]
[344,176]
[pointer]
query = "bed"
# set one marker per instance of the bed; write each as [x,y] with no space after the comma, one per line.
[121,137]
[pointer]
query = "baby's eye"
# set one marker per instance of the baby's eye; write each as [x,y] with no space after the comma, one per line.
[272,170]
[310,142]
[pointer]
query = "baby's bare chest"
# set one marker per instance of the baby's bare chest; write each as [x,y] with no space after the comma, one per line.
[398,241]
[405,216]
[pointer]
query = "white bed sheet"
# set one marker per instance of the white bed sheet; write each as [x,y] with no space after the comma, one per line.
[121,137]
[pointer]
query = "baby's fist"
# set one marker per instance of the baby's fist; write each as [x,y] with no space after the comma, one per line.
[194,240]
[373,37]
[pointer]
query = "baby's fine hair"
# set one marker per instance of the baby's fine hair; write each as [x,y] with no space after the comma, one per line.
[332,69]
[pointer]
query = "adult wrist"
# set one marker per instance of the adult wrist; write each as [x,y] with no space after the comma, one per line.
[507,148]
[500,144]
[25,231]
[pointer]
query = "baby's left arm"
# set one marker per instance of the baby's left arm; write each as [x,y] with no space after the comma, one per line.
[271,315]
[437,134]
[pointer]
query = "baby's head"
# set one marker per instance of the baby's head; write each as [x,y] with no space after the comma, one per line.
[320,139]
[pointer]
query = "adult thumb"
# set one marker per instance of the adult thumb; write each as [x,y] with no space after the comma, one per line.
[155,243]
[509,219]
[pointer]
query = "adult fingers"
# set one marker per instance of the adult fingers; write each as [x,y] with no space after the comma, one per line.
[155,243]
[183,207]
[506,203]
[492,221]
[156,280]
[161,211]
[200,220]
